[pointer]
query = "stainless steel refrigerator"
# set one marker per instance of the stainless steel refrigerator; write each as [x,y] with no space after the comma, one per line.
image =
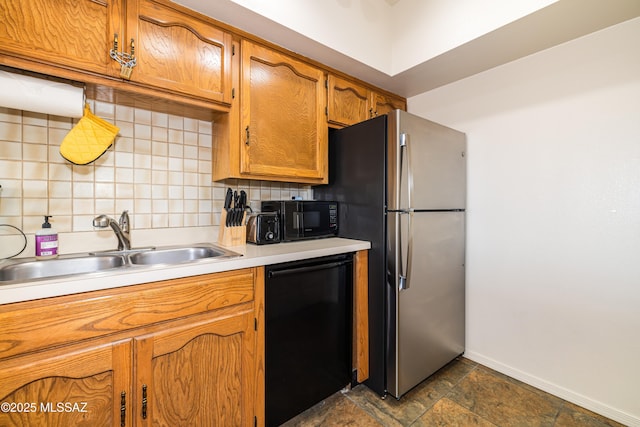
[400,181]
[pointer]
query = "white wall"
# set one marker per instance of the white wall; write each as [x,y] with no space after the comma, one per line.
[424,29]
[394,38]
[373,40]
[358,28]
[553,272]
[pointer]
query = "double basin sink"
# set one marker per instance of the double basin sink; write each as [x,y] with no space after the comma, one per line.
[28,269]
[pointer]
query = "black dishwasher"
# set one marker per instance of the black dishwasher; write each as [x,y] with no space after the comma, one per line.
[308,306]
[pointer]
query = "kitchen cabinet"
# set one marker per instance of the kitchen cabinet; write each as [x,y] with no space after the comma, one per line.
[151,354]
[178,52]
[282,115]
[80,385]
[200,373]
[347,102]
[75,35]
[282,126]
[382,103]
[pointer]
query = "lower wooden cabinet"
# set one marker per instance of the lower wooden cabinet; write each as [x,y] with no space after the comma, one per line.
[79,385]
[199,374]
[181,352]
[200,369]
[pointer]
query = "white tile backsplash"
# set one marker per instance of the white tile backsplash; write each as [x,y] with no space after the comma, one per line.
[158,168]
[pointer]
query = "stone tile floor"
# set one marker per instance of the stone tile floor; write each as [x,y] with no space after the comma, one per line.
[463,393]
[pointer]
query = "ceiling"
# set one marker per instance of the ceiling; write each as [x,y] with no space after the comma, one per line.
[557,23]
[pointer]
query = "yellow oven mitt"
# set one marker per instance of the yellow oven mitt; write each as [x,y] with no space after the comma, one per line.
[89,139]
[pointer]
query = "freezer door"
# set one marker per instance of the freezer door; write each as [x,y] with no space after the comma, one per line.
[426,294]
[427,164]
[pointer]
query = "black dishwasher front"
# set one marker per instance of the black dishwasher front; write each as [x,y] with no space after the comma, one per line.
[308,310]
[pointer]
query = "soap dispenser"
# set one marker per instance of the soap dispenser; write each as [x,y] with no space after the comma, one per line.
[46,241]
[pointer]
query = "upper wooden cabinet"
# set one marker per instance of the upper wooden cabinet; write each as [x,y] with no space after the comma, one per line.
[276,129]
[178,52]
[347,102]
[70,34]
[382,104]
[283,125]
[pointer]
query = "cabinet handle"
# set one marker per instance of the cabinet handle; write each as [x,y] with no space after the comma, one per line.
[247,131]
[126,60]
[144,401]
[123,408]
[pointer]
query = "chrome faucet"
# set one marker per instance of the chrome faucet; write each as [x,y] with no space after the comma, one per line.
[121,228]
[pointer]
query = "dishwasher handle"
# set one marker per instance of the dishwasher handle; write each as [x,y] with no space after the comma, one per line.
[307,269]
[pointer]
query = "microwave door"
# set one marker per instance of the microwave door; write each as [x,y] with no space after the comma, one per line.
[293,220]
[318,219]
[310,221]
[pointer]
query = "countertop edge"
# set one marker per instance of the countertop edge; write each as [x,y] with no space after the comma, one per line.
[252,256]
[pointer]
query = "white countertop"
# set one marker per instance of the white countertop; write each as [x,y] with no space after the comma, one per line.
[252,256]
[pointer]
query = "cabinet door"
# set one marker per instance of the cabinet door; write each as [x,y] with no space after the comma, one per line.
[87,385]
[382,104]
[348,102]
[75,34]
[198,374]
[283,121]
[179,52]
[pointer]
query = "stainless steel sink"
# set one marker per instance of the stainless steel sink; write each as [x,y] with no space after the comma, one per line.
[29,269]
[180,254]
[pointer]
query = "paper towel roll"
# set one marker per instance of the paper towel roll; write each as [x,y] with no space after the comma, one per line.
[41,96]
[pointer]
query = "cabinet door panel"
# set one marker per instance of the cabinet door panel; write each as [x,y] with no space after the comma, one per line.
[199,374]
[348,103]
[74,386]
[382,104]
[283,118]
[74,34]
[179,52]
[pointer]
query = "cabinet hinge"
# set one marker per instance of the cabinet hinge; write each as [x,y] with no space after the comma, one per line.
[233,93]
[255,421]
[233,50]
[255,324]
[326,111]
[326,83]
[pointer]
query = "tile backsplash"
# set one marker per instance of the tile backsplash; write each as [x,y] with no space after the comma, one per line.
[159,169]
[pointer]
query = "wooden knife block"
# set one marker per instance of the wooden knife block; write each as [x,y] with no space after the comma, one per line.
[232,236]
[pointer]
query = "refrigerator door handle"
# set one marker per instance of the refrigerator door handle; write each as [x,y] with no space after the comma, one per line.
[405,264]
[405,153]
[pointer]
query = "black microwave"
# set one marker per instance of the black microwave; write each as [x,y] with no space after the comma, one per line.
[304,219]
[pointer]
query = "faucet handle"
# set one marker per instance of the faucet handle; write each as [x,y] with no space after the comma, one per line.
[124,221]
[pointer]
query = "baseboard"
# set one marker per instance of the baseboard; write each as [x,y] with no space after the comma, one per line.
[554,389]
